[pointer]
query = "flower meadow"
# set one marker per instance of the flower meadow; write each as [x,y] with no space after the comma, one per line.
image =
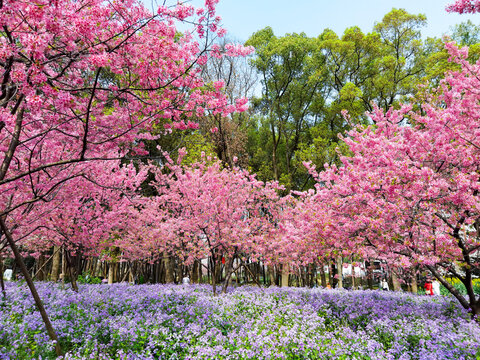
[124,321]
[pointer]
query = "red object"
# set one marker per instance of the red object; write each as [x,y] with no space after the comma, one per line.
[428,288]
[223,261]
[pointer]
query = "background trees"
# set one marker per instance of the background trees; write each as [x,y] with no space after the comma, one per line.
[214,213]
[308,82]
[291,80]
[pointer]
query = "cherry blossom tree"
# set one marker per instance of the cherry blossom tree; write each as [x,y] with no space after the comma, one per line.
[83,81]
[84,223]
[204,210]
[409,191]
[464,6]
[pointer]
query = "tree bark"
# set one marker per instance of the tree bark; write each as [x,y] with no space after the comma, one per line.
[71,272]
[475,310]
[2,282]
[285,275]
[369,269]
[39,271]
[111,273]
[214,276]
[395,282]
[323,278]
[228,273]
[31,286]
[218,271]
[195,272]
[340,272]
[413,281]
[330,273]
[353,276]
[168,268]
[55,264]
[271,274]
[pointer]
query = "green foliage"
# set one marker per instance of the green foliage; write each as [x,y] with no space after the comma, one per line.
[461,287]
[437,63]
[307,83]
[466,33]
[292,73]
[86,278]
[197,146]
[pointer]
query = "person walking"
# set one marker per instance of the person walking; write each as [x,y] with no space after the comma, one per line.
[436,287]
[384,285]
[428,287]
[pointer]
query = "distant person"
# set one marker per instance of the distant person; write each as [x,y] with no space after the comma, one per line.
[186,280]
[7,274]
[384,285]
[428,287]
[436,287]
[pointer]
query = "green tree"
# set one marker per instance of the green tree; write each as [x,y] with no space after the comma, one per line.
[380,67]
[402,64]
[308,83]
[292,82]
[466,33]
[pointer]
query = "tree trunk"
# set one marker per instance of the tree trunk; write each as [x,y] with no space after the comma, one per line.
[2,282]
[473,307]
[353,276]
[271,274]
[413,282]
[73,278]
[195,275]
[31,286]
[55,264]
[64,269]
[254,278]
[111,273]
[218,271]
[40,272]
[340,272]
[214,276]
[200,272]
[264,274]
[71,272]
[330,274]
[285,275]
[323,278]
[395,282]
[131,276]
[228,273]
[369,268]
[168,268]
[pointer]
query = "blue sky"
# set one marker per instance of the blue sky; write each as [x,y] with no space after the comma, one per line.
[243,17]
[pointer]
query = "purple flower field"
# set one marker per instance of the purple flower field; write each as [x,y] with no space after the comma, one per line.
[186,322]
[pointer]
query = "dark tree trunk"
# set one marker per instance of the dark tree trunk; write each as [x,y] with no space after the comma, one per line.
[271,274]
[31,286]
[214,275]
[196,268]
[228,273]
[330,274]
[2,283]
[71,271]
[168,268]
[323,278]
[40,272]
